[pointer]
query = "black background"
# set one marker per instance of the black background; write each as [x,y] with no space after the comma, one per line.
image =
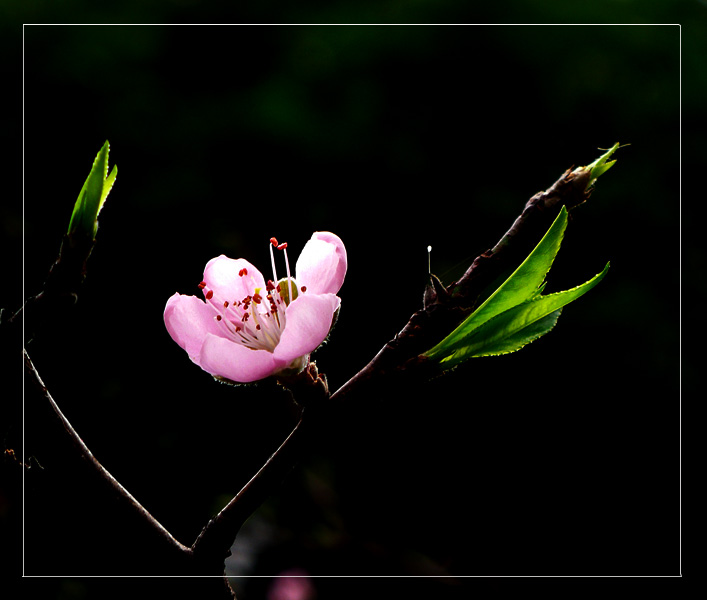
[562,459]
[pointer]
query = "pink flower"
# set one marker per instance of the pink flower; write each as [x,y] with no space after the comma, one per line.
[248,328]
[293,584]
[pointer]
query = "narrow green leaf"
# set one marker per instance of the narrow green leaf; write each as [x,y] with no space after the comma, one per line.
[93,195]
[515,327]
[526,282]
[600,166]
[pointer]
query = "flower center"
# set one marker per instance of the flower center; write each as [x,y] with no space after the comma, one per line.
[255,322]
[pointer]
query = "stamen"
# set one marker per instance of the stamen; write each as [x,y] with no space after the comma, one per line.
[243,272]
[429,260]
[209,294]
[303,289]
[273,242]
[202,285]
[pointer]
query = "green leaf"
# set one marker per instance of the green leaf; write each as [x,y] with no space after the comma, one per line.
[93,195]
[600,166]
[517,313]
[514,328]
[526,282]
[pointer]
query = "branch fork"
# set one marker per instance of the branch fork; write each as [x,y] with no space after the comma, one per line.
[400,360]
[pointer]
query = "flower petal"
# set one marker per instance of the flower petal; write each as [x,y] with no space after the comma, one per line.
[308,323]
[188,320]
[321,267]
[225,358]
[222,276]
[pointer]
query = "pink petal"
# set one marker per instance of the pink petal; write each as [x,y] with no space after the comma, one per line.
[321,267]
[308,323]
[222,276]
[188,320]
[222,357]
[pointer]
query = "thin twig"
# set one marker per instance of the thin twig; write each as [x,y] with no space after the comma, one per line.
[218,535]
[99,469]
[310,390]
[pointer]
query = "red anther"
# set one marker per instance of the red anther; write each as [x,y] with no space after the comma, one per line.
[245,316]
[209,294]
[257,298]
[303,288]
[237,329]
[202,285]
[243,272]
[270,286]
[257,327]
[282,246]
[225,304]
[218,317]
[273,241]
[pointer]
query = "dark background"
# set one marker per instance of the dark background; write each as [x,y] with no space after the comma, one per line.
[562,459]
